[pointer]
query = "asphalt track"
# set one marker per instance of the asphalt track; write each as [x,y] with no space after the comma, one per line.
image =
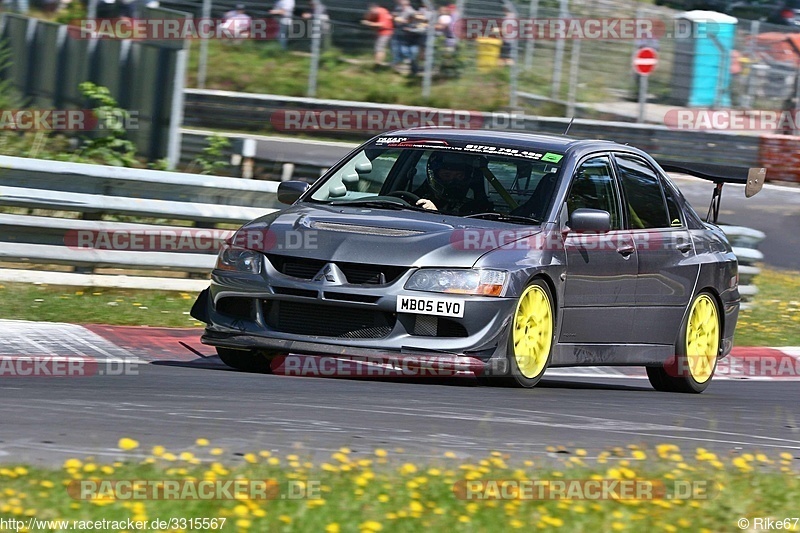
[173,396]
[171,403]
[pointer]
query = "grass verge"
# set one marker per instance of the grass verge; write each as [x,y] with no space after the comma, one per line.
[390,491]
[772,320]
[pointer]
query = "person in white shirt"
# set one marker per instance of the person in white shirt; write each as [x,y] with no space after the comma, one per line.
[284,9]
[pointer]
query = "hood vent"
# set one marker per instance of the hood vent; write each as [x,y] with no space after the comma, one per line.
[365,230]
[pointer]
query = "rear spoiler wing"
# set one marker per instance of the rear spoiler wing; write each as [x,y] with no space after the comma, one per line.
[720,175]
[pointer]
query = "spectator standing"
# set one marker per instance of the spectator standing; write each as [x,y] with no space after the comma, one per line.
[401,17]
[379,18]
[412,38]
[237,22]
[284,9]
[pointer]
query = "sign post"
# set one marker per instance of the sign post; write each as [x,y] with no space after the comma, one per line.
[644,63]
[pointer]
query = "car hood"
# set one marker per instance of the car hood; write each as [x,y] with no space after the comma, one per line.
[378,236]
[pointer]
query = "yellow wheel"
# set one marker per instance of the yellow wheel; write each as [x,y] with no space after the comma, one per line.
[702,338]
[696,350]
[531,338]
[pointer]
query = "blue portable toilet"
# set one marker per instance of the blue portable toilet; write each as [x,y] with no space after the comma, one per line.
[701,69]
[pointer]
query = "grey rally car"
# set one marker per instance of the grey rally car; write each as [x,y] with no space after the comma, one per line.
[513,252]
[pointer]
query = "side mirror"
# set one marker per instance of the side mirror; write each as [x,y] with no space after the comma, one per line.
[586,220]
[290,191]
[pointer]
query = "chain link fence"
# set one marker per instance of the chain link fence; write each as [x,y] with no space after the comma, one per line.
[748,65]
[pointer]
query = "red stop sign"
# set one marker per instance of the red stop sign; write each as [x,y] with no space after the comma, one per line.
[645,61]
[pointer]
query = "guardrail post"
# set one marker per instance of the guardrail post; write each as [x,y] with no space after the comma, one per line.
[248,155]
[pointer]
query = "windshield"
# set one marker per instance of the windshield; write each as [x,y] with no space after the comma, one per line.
[468,180]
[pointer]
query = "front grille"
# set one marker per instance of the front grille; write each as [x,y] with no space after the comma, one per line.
[328,321]
[290,291]
[348,297]
[356,273]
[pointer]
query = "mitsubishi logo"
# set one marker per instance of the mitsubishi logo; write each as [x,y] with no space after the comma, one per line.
[330,274]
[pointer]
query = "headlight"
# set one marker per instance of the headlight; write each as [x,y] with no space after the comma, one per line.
[237,259]
[461,281]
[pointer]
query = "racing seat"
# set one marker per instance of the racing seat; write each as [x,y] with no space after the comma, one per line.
[535,205]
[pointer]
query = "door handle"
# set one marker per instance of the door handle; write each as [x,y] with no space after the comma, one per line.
[684,247]
[626,250]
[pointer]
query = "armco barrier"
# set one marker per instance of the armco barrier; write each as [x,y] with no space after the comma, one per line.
[745,243]
[91,191]
[741,149]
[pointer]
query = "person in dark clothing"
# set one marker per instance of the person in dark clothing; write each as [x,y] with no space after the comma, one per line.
[450,186]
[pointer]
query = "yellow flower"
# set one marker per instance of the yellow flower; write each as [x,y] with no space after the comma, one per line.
[639,455]
[332,528]
[380,452]
[243,523]
[251,458]
[186,456]
[383,498]
[158,450]
[408,468]
[370,525]
[201,442]
[617,526]
[216,451]
[286,519]
[580,452]
[464,519]
[126,443]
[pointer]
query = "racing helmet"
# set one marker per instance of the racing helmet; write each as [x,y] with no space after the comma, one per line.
[449,161]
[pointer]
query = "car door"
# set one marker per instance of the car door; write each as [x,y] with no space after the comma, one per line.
[667,267]
[600,284]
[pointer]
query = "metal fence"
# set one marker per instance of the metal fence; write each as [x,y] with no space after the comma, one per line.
[92,217]
[588,77]
[47,62]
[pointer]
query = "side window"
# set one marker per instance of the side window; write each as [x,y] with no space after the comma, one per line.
[593,187]
[675,219]
[646,206]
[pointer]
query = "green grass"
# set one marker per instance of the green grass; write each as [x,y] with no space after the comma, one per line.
[391,491]
[772,320]
[95,305]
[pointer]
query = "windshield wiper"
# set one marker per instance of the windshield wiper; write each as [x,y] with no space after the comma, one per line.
[501,217]
[378,203]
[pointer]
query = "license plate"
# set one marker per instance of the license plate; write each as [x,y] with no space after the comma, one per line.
[430,306]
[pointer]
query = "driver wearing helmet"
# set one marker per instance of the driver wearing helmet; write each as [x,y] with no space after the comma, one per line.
[448,187]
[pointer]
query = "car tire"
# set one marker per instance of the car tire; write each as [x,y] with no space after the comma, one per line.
[696,350]
[531,336]
[245,360]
